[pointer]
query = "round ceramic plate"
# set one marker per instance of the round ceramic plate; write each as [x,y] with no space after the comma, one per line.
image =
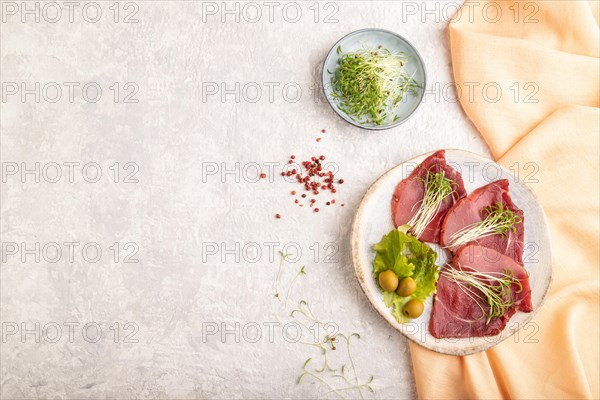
[372,38]
[373,220]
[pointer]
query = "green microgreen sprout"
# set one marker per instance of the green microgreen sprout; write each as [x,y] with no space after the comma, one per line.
[283,258]
[492,288]
[370,83]
[437,187]
[499,220]
[326,345]
[324,337]
[300,273]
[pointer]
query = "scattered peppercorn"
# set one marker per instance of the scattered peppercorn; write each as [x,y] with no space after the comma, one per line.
[263,175]
[313,177]
[277,216]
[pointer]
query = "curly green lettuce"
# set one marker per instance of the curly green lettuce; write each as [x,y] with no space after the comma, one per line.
[406,256]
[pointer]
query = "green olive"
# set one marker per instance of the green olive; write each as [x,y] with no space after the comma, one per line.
[413,308]
[406,287]
[388,280]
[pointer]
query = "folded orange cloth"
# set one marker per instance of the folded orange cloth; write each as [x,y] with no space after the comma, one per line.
[544,58]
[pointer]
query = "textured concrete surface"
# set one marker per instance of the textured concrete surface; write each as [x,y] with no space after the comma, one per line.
[186,278]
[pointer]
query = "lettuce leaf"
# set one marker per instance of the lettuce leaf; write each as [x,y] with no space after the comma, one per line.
[391,254]
[406,256]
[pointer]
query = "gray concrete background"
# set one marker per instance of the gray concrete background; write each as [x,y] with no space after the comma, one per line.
[183,290]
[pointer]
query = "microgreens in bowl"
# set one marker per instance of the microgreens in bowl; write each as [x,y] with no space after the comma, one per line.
[370,83]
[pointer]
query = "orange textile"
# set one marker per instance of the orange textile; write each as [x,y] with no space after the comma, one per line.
[553,48]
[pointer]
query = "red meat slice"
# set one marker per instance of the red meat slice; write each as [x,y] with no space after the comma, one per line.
[470,210]
[410,191]
[457,315]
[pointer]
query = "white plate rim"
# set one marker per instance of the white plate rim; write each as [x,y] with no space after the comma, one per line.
[365,272]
